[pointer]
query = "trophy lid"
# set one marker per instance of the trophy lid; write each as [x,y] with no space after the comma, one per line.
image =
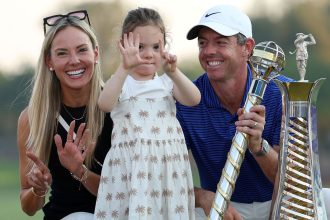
[266,54]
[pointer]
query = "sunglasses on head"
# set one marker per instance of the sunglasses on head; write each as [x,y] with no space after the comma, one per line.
[54,19]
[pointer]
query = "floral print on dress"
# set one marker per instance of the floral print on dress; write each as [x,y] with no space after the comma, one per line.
[146,174]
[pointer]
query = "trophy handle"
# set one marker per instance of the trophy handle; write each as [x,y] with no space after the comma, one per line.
[236,153]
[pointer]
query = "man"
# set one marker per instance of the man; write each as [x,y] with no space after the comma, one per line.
[225,45]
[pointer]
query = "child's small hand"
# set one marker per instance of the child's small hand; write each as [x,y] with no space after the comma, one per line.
[169,60]
[129,49]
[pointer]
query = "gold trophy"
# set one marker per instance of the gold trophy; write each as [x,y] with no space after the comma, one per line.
[297,189]
[267,61]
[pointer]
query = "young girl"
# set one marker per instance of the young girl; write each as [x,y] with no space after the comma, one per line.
[146,174]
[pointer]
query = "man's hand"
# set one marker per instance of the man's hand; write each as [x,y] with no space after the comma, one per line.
[252,123]
[205,198]
[232,214]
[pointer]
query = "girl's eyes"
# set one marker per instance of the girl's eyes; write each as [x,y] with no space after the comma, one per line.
[156,47]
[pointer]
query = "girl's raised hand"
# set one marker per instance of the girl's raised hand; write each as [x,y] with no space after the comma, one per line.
[168,60]
[129,49]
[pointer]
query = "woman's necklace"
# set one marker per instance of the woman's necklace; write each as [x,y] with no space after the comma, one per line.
[76,119]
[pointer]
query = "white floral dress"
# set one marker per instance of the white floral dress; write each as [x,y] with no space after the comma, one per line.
[146,174]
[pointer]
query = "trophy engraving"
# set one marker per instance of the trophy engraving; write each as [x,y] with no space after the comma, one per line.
[267,61]
[297,188]
[301,52]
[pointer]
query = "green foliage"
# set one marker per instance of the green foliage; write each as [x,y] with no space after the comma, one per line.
[13,98]
[191,68]
[14,93]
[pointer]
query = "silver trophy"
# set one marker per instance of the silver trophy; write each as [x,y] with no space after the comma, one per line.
[267,61]
[297,188]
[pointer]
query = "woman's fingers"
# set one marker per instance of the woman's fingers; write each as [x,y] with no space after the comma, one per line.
[70,136]
[80,133]
[85,143]
[90,148]
[36,179]
[58,143]
[39,176]
[40,165]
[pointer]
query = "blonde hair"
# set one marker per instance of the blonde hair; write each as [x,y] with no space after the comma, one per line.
[45,102]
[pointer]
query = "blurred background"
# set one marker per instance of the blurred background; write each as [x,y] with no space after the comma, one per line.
[22,35]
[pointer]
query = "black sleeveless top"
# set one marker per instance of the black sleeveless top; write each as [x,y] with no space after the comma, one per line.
[65,195]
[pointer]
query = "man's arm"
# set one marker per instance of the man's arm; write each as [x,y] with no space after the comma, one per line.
[269,163]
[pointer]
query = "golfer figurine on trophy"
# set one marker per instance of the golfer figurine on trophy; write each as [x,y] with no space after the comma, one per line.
[297,188]
[301,52]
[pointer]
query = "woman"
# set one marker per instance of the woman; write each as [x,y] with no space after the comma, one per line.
[66,87]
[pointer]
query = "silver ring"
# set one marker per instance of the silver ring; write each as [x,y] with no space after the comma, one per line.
[255,124]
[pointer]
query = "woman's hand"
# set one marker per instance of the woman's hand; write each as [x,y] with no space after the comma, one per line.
[73,154]
[39,178]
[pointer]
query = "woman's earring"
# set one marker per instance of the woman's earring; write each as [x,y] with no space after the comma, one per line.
[96,61]
[51,69]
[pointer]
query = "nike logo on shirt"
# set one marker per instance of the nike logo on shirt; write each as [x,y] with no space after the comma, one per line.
[208,15]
